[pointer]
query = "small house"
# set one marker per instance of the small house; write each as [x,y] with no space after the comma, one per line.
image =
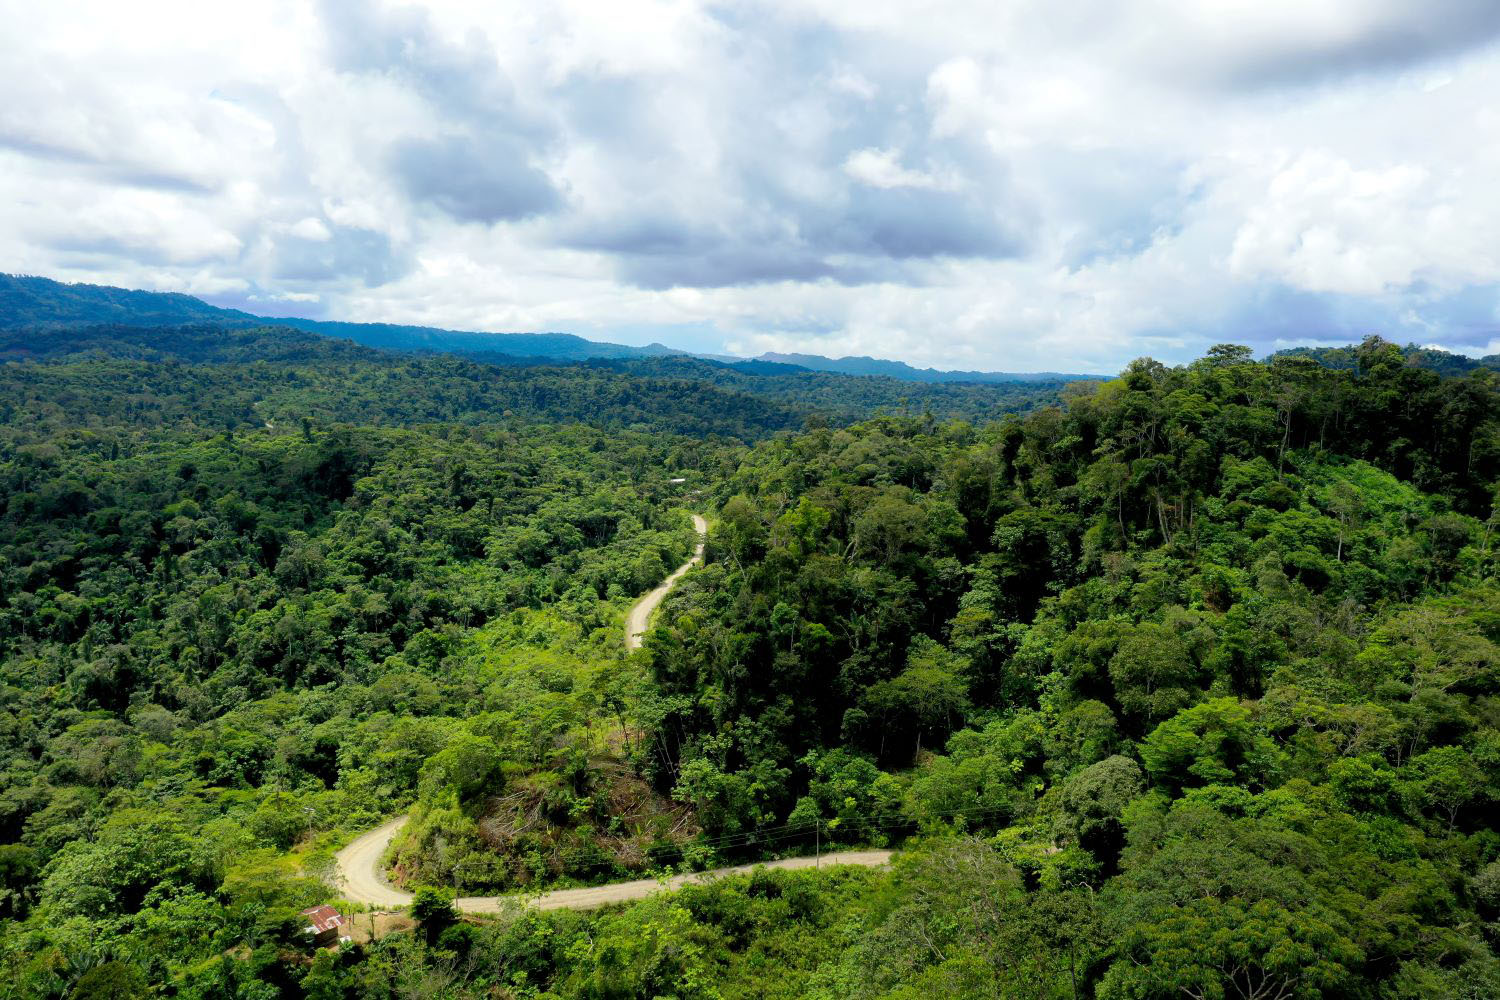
[323,923]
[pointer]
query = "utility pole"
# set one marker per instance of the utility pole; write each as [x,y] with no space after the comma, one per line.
[817,842]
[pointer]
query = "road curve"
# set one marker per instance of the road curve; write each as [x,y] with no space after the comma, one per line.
[640,615]
[362,881]
[361,876]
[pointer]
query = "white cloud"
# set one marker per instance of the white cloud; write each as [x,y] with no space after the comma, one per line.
[1324,225]
[312,229]
[848,80]
[1005,185]
[881,168]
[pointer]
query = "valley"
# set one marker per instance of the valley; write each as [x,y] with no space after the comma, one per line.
[890,701]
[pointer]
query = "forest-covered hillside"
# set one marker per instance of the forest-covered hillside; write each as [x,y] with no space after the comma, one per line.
[27,301]
[904,371]
[1183,686]
[30,304]
[36,311]
[326,390]
[1431,358]
[221,377]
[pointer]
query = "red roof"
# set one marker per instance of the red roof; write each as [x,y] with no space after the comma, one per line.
[323,918]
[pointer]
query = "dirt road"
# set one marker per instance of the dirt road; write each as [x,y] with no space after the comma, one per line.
[640,615]
[360,873]
[363,881]
[624,892]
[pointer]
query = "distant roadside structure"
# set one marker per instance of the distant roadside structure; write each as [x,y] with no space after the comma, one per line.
[676,482]
[323,923]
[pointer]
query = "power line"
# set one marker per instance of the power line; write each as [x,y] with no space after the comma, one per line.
[788,831]
[781,833]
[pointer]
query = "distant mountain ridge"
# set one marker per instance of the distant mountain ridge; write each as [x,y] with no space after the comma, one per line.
[863,365]
[29,303]
[40,303]
[43,303]
[397,337]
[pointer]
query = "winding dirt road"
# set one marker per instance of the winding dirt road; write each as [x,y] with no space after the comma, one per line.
[361,876]
[640,615]
[363,880]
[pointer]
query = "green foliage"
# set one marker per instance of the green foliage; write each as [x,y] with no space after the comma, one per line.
[132,853]
[433,911]
[1216,742]
[110,981]
[1093,803]
[468,767]
[955,920]
[1186,687]
[19,869]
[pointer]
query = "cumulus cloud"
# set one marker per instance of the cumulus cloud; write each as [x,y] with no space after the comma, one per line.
[1282,42]
[881,168]
[474,181]
[1004,185]
[1324,225]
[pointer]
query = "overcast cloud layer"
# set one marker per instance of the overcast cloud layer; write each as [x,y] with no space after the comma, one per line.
[1009,185]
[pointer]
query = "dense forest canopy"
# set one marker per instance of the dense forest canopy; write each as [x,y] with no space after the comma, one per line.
[1182,683]
[1432,358]
[244,376]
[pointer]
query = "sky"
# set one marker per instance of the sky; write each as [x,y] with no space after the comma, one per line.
[1013,185]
